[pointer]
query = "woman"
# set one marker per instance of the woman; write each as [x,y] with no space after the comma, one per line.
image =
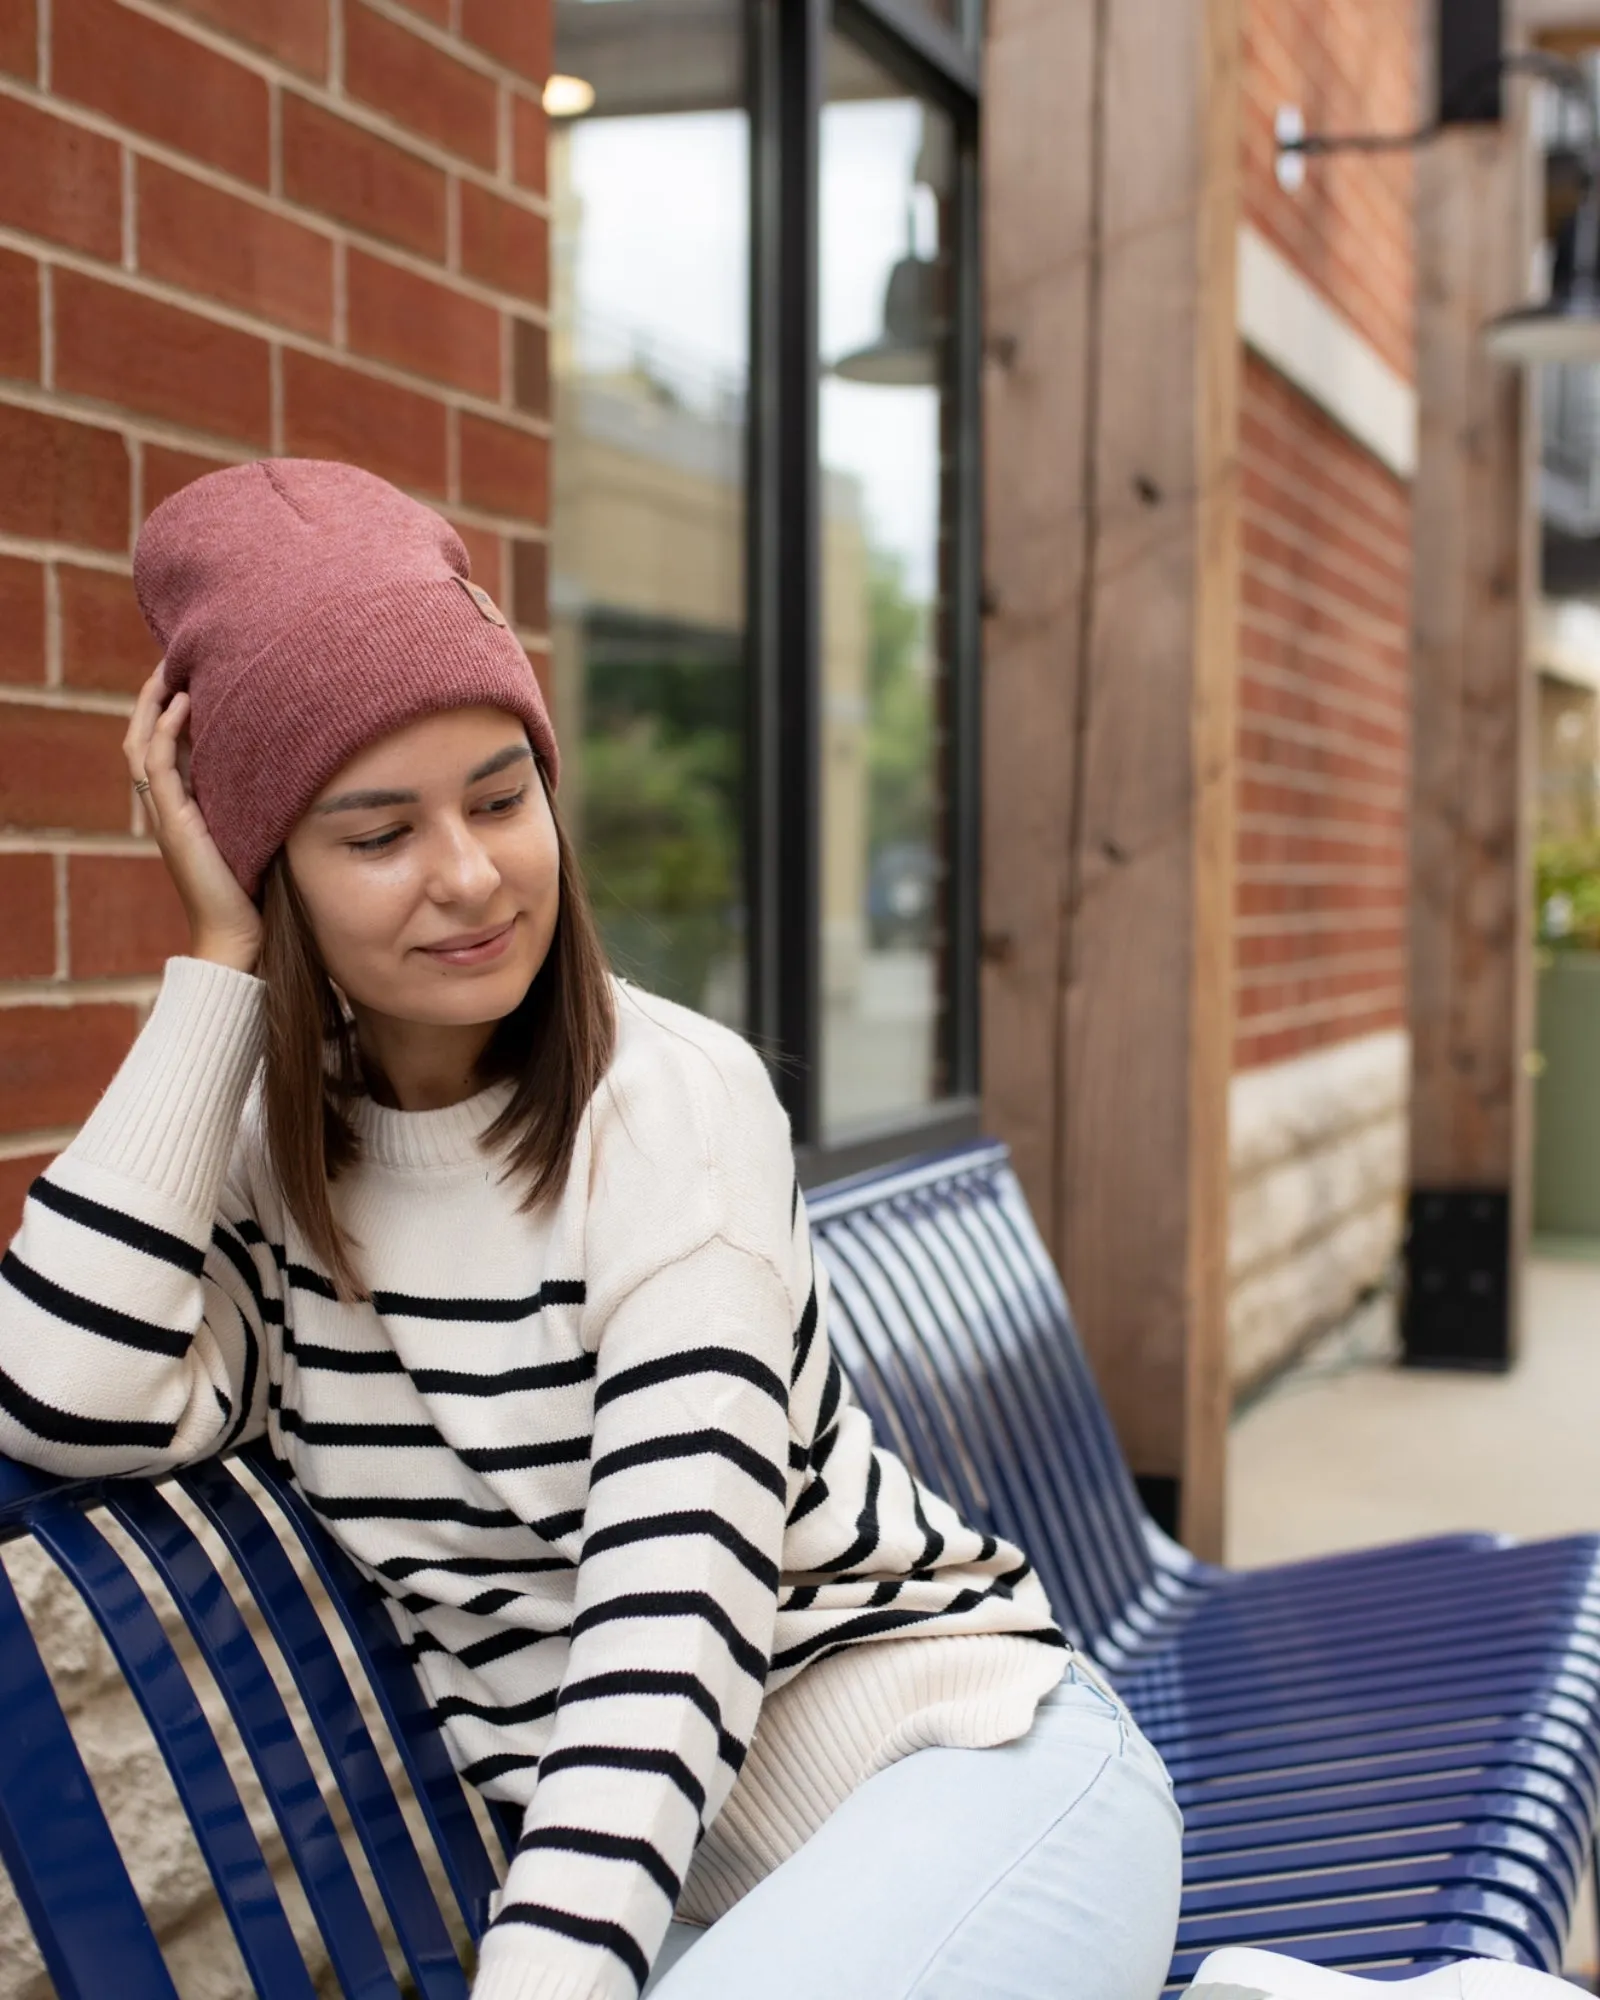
[507,1262]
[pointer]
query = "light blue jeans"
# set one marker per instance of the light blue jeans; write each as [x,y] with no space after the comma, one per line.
[1045,1869]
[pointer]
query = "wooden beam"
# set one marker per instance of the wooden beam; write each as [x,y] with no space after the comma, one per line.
[1112,185]
[1471,948]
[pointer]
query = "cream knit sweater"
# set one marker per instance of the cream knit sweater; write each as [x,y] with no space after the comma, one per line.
[661,1588]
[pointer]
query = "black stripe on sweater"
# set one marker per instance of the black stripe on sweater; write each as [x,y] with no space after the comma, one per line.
[808,1503]
[553,1292]
[583,1930]
[805,1332]
[385,1436]
[504,1715]
[692,1361]
[121,1228]
[364,1507]
[932,1540]
[484,1605]
[482,1652]
[521,1457]
[616,1757]
[691,1444]
[604,1847]
[623,1681]
[867,1536]
[340,1360]
[832,1392]
[63,1427]
[398,1568]
[690,1521]
[227,1237]
[487,1769]
[252,1367]
[871,1624]
[509,1382]
[92,1317]
[677,1604]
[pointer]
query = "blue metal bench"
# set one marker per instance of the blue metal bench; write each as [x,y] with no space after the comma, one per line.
[1386,1760]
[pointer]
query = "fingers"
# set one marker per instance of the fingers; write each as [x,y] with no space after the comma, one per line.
[168,793]
[146,712]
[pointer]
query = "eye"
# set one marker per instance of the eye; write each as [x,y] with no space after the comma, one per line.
[376,843]
[503,807]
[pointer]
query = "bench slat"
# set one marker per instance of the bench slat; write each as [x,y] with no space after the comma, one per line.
[287,1779]
[57,1847]
[153,1671]
[375,1812]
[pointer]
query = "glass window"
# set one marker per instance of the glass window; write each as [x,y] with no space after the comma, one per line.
[649,330]
[887,442]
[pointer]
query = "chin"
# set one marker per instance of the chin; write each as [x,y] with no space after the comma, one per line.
[469,1002]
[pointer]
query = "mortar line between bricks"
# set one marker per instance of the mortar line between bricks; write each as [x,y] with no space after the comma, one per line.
[350,109]
[22,1145]
[137,991]
[336,234]
[17,840]
[77,701]
[45,551]
[52,626]
[449,42]
[62,924]
[28,395]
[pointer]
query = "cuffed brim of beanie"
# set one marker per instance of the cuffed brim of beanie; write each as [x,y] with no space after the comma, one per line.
[354,669]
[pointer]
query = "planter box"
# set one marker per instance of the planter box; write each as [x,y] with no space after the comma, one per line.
[1566,1160]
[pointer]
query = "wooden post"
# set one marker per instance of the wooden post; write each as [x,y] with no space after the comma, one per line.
[1111,565]
[1471,943]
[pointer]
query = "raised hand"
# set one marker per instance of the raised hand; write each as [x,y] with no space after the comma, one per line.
[224,925]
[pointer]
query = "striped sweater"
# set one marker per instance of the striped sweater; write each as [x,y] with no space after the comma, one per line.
[599,1456]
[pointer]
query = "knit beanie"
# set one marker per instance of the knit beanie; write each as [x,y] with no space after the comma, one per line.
[310,608]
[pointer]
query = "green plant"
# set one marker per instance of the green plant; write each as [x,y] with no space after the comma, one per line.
[1567,893]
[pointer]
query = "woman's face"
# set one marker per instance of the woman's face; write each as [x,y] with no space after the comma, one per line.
[429,870]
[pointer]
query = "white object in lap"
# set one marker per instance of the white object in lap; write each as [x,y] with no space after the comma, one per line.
[1238,1974]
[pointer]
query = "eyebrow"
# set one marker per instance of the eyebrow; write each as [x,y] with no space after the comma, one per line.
[513,753]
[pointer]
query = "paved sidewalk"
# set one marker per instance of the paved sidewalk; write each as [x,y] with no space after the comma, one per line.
[1349,1450]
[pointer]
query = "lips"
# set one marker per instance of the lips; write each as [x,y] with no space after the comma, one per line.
[468,939]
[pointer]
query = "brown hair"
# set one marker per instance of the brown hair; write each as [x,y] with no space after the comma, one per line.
[555,1045]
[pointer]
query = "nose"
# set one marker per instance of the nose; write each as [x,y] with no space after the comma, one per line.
[461,869]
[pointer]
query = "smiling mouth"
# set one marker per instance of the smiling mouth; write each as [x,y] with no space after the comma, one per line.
[471,950]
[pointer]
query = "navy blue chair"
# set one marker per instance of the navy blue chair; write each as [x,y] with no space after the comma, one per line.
[1386,1760]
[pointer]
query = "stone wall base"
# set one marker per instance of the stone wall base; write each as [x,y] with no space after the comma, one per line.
[1318,1160]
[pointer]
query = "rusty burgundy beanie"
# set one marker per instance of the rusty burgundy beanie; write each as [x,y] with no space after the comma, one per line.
[310,608]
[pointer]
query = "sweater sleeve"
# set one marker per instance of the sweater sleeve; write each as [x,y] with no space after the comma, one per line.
[672,1628]
[134,1297]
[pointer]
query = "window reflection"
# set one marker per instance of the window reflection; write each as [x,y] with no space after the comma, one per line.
[649,316]
[886,187]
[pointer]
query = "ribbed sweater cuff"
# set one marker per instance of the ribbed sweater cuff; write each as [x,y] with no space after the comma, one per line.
[507,1973]
[170,1115]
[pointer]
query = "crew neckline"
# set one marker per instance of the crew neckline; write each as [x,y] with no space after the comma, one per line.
[431,1141]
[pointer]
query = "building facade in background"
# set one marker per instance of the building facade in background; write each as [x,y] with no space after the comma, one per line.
[1327,449]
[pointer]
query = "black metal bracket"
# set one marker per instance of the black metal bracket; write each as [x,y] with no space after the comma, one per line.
[1458,1306]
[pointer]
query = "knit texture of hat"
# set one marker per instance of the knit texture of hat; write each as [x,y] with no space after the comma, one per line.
[310,608]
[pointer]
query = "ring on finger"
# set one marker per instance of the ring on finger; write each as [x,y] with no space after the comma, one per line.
[141,786]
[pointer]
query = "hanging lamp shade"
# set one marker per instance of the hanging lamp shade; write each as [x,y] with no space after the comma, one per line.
[907,352]
[1566,326]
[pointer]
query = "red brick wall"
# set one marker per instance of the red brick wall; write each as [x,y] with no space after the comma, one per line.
[227,228]
[1351,66]
[1325,557]
[1324,702]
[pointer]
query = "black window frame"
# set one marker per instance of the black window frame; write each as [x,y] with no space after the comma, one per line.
[787,53]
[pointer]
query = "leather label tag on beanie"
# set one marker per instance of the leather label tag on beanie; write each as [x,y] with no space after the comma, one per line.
[487,608]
